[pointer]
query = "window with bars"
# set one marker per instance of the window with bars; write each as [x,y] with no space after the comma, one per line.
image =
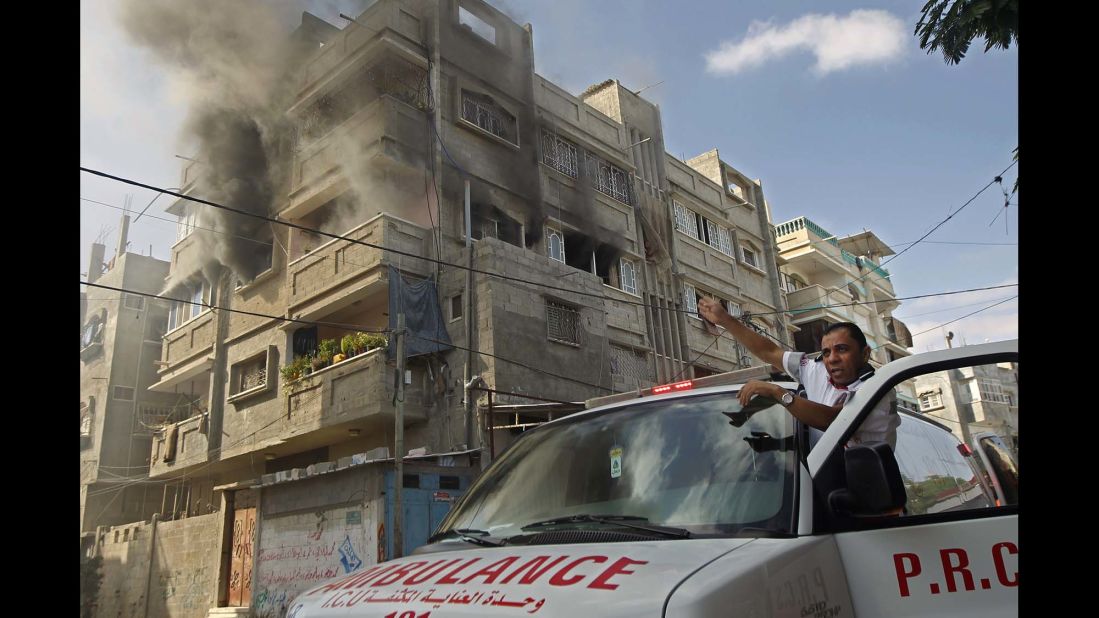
[123,393]
[610,180]
[690,299]
[251,374]
[560,154]
[627,276]
[990,391]
[562,323]
[631,364]
[555,244]
[685,220]
[482,111]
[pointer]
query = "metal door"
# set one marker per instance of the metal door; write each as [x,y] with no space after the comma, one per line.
[240,573]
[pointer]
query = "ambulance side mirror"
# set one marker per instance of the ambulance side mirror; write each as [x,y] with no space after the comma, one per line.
[874,484]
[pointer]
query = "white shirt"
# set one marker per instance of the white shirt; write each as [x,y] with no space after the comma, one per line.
[879,426]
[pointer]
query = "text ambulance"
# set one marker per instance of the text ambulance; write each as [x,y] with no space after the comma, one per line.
[684,504]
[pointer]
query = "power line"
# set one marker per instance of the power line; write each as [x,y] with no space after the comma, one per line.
[932,230]
[918,315]
[241,311]
[464,267]
[875,302]
[966,315]
[349,326]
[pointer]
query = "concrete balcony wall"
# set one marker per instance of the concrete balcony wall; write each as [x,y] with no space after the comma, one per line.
[191,446]
[317,410]
[337,268]
[625,317]
[817,296]
[384,19]
[190,340]
[385,133]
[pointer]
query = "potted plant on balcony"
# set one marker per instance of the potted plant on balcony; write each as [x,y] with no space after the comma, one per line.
[326,349]
[347,345]
[295,370]
[367,341]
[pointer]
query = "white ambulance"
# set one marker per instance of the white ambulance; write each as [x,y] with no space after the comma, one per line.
[681,503]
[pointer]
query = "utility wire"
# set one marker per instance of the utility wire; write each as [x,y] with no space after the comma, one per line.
[475,270]
[966,315]
[931,231]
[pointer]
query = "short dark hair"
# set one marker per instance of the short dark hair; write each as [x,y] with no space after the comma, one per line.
[852,329]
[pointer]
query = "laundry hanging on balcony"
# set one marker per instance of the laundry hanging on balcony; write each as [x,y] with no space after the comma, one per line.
[423,316]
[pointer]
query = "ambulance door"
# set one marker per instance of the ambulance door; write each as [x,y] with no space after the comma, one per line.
[951,550]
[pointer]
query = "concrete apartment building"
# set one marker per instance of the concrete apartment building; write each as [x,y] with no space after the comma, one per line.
[971,400]
[820,270]
[120,338]
[603,243]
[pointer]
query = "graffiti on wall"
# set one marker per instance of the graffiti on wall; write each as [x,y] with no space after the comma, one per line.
[298,551]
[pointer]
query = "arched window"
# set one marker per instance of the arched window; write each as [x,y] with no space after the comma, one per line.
[555,244]
[627,275]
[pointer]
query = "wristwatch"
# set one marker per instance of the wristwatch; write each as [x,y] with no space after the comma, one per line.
[787,398]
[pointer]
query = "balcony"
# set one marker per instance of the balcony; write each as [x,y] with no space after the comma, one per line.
[802,241]
[320,408]
[808,304]
[339,273]
[179,446]
[387,22]
[192,339]
[384,135]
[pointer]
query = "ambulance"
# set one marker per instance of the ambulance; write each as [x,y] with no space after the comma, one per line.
[677,501]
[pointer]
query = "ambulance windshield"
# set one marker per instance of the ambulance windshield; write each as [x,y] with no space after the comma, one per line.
[699,464]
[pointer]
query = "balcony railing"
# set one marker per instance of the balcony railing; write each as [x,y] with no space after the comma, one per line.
[802,223]
[812,300]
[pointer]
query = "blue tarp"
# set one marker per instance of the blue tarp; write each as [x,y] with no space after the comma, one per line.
[423,316]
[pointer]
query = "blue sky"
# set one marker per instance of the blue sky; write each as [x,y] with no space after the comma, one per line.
[832,105]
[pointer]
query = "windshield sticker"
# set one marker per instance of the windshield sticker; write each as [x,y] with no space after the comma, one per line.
[616,462]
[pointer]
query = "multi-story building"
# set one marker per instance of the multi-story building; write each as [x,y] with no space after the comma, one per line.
[971,400]
[120,341]
[567,249]
[829,280]
[604,242]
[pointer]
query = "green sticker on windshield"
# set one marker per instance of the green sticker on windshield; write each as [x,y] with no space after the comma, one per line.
[616,462]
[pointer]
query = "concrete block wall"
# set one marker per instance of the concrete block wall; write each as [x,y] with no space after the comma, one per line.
[184,562]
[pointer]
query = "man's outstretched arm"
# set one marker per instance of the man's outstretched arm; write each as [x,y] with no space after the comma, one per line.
[756,343]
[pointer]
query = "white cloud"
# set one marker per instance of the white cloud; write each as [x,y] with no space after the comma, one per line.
[863,37]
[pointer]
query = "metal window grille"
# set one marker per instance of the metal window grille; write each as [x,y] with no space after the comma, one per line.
[627,275]
[690,298]
[555,245]
[559,154]
[563,323]
[612,181]
[253,375]
[725,243]
[930,400]
[485,117]
[631,364]
[685,220]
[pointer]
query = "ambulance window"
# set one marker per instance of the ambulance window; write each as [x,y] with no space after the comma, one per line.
[937,477]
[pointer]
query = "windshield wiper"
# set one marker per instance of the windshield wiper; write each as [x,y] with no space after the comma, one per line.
[617,520]
[464,534]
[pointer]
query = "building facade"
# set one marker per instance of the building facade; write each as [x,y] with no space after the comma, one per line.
[565,249]
[830,280]
[972,400]
[120,341]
